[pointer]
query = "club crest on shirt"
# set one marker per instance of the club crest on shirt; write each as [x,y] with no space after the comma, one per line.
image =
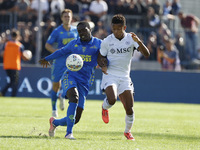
[111,44]
[83,49]
[112,51]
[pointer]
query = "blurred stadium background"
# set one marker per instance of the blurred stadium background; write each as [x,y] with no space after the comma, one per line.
[36,23]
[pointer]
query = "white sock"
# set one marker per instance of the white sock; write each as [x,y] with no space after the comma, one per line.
[129,119]
[106,105]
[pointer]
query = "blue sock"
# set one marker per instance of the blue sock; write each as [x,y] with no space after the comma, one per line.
[60,122]
[54,100]
[71,112]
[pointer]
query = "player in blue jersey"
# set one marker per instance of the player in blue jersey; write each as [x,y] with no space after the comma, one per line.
[61,36]
[76,85]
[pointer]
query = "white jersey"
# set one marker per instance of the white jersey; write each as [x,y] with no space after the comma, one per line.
[119,54]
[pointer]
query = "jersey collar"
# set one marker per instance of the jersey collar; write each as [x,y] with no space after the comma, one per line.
[113,36]
[90,42]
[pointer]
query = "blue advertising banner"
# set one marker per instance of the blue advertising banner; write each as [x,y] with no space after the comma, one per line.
[151,86]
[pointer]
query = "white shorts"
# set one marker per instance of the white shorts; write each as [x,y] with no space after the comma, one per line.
[120,83]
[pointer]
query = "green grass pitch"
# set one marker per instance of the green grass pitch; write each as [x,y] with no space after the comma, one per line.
[158,126]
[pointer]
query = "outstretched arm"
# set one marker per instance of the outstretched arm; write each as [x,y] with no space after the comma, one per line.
[142,48]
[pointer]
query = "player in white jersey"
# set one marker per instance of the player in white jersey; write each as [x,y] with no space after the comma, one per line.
[115,61]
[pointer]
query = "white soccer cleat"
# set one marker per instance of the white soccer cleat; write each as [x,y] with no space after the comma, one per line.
[54,113]
[62,103]
[52,127]
[70,136]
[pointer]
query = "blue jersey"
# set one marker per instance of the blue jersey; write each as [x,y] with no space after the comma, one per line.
[89,53]
[60,37]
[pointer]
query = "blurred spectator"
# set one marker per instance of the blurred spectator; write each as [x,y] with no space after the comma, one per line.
[12,54]
[176,6]
[21,9]
[167,9]
[7,6]
[101,32]
[73,5]
[152,46]
[34,7]
[168,56]
[143,6]
[97,11]
[190,25]
[7,14]
[111,6]
[156,6]
[163,33]
[120,7]
[47,30]
[150,23]
[179,43]
[132,8]
[153,19]
[57,6]
[85,4]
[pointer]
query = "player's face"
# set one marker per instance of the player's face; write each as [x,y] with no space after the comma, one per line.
[118,30]
[66,18]
[84,33]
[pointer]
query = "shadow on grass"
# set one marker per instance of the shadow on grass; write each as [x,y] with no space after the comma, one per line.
[111,134]
[142,134]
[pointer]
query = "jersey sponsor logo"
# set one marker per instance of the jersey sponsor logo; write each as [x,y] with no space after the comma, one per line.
[66,40]
[86,58]
[121,50]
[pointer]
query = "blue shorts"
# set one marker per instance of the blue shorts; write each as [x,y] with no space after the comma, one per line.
[71,81]
[57,71]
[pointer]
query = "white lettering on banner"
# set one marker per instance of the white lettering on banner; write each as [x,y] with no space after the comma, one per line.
[96,90]
[25,84]
[49,86]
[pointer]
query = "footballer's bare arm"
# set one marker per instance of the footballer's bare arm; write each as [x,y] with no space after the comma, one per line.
[102,62]
[50,48]
[142,48]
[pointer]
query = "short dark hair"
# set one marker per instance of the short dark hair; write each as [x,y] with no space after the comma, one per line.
[119,19]
[14,33]
[84,23]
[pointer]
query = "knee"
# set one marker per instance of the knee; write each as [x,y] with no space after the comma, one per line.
[72,95]
[112,101]
[129,111]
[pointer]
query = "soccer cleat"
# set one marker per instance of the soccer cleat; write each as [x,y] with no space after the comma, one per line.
[54,113]
[70,136]
[52,127]
[129,136]
[62,102]
[105,115]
